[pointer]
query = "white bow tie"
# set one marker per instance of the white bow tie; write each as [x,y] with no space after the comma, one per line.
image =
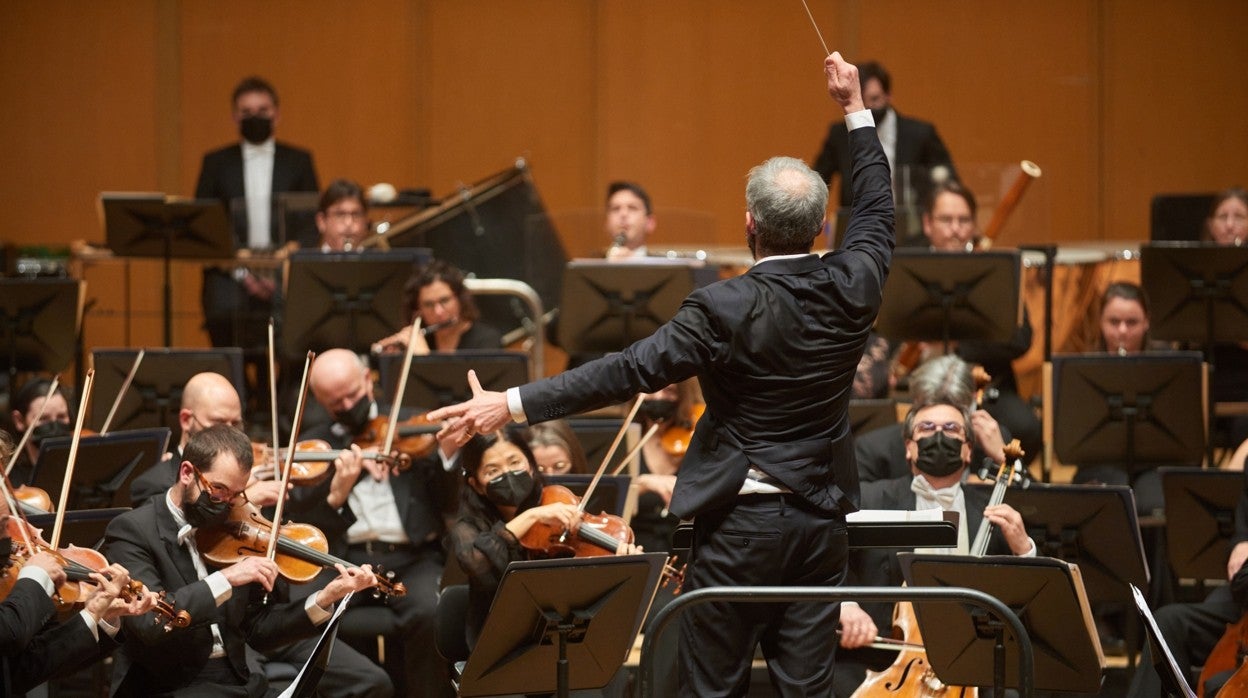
[185,532]
[945,497]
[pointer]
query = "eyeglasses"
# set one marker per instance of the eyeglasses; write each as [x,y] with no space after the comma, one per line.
[950,221]
[929,428]
[513,464]
[340,215]
[436,303]
[218,492]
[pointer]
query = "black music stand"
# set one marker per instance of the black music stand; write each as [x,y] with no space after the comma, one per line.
[152,225]
[1200,519]
[104,469]
[437,380]
[83,528]
[949,296]
[967,647]
[345,299]
[39,321]
[1173,678]
[560,625]
[1178,216]
[609,496]
[869,415]
[1139,410]
[1095,528]
[607,306]
[155,394]
[873,528]
[1199,292]
[596,435]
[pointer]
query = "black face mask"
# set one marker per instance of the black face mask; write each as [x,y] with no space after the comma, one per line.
[878,114]
[509,489]
[939,455]
[49,430]
[256,129]
[355,418]
[205,512]
[658,410]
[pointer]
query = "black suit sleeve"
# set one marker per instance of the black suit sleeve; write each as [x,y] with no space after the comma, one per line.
[56,651]
[23,613]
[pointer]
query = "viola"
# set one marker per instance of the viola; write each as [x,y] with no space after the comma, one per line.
[78,563]
[33,500]
[676,436]
[597,534]
[312,460]
[415,436]
[302,550]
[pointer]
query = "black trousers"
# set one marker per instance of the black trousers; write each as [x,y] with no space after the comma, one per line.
[1190,630]
[763,540]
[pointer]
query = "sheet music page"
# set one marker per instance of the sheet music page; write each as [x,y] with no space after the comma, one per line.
[329,625]
[894,516]
[1147,614]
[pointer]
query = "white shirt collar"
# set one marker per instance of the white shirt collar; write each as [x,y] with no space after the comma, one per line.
[253,149]
[783,256]
[184,529]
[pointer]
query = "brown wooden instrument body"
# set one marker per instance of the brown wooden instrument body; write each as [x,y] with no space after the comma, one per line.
[676,436]
[1229,653]
[312,460]
[598,534]
[910,675]
[414,436]
[35,498]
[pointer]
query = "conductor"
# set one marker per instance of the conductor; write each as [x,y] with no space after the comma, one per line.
[769,473]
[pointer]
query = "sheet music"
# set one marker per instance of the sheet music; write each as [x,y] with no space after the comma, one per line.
[1155,632]
[329,627]
[892,516]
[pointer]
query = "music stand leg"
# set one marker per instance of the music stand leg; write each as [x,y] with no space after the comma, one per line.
[564,627]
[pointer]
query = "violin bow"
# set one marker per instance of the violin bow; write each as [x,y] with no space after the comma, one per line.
[289,461]
[619,436]
[125,385]
[21,444]
[397,401]
[654,428]
[277,443]
[87,382]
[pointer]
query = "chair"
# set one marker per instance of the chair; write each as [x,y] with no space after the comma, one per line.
[452,636]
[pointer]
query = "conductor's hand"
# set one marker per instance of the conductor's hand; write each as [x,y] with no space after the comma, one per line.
[252,569]
[486,412]
[349,579]
[1007,518]
[843,83]
[857,628]
[1239,555]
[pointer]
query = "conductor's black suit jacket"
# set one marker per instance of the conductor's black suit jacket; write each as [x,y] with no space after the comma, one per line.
[775,351]
[221,178]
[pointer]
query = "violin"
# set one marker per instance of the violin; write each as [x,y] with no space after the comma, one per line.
[33,500]
[79,563]
[301,548]
[312,460]
[676,436]
[415,436]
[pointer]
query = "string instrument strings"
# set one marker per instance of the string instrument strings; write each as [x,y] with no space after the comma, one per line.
[30,427]
[1005,474]
[125,385]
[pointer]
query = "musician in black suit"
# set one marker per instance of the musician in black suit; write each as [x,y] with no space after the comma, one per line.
[227,606]
[769,472]
[908,143]
[236,306]
[387,518]
[937,453]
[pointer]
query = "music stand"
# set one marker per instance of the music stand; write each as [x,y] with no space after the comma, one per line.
[1172,677]
[607,306]
[560,625]
[869,415]
[596,435]
[155,394]
[950,296]
[609,496]
[153,225]
[296,217]
[1093,527]
[83,528]
[39,319]
[1141,410]
[437,380]
[1200,519]
[967,647]
[104,469]
[1199,292]
[345,299]
[1178,216]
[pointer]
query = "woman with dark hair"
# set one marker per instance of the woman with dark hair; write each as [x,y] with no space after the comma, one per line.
[499,502]
[437,296]
[1227,224]
[556,450]
[24,411]
[1124,319]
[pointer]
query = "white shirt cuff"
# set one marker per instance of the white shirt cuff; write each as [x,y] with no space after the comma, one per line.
[448,462]
[316,614]
[89,619]
[220,587]
[109,629]
[515,406]
[39,575]
[1032,551]
[859,119]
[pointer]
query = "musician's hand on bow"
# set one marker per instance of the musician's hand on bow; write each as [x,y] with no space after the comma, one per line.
[857,627]
[988,435]
[843,83]
[1010,522]
[486,412]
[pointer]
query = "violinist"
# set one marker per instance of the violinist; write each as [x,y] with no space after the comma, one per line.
[387,518]
[937,453]
[157,543]
[769,472]
[949,225]
[438,296]
[672,408]
[556,450]
[55,421]
[498,504]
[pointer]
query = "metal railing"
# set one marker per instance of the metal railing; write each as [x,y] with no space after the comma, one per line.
[1026,660]
[533,302]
